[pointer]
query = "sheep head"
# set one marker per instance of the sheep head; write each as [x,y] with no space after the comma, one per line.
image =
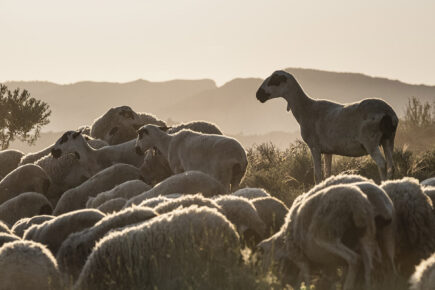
[70,142]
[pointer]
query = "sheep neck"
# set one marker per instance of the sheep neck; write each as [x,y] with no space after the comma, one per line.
[89,158]
[299,103]
[162,144]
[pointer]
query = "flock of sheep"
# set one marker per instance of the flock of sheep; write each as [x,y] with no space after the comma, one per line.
[129,203]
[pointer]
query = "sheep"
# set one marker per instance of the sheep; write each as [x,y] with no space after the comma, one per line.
[242,213]
[382,206]
[430,191]
[119,124]
[78,246]
[251,193]
[189,182]
[25,178]
[333,227]
[4,228]
[23,224]
[26,204]
[424,275]
[53,232]
[125,190]
[428,182]
[94,160]
[221,157]
[104,180]
[195,247]
[153,202]
[9,160]
[28,265]
[6,238]
[415,223]
[112,205]
[328,128]
[155,167]
[184,202]
[272,211]
[35,156]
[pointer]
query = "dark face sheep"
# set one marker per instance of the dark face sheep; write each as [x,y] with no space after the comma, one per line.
[274,86]
[146,136]
[70,142]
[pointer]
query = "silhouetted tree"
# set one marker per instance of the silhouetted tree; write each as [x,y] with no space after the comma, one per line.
[418,115]
[21,116]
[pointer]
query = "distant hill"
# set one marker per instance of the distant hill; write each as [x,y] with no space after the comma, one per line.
[232,106]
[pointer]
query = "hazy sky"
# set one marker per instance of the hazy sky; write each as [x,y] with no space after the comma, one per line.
[68,41]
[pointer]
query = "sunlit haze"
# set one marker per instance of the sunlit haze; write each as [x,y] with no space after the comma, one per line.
[69,41]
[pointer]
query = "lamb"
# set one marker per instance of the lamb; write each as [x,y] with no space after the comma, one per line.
[424,275]
[194,246]
[9,160]
[155,167]
[104,180]
[35,156]
[119,124]
[330,128]
[189,182]
[26,204]
[221,157]
[23,224]
[25,178]
[112,205]
[7,238]
[94,160]
[272,211]
[415,223]
[251,193]
[184,202]
[333,227]
[153,202]
[53,232]
[428,182]
[125,190]
[78,246]
[27,265]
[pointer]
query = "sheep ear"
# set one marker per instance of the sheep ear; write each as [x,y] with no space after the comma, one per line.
[76,133]
[164,128]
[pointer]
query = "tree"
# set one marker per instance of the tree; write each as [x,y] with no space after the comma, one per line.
[418,115]
[21,116]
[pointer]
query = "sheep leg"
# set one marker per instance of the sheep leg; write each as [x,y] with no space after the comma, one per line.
[317,160]
[388,147]
[376,155]
[328,164]
[367,255]
[351,258]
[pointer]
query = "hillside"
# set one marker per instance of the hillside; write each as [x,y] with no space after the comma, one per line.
[232,106]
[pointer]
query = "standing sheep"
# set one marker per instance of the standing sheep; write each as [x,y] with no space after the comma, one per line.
[155,167]
[25,178]
[104,180]
[94,160]
[221,157]
[424,275]
[23,224]
[272,211]
[330,128]
[414,238]
[9,160]
[27,265]
[125,190]
[78,246]
[26,204]
[189,182]
[119,124]
[333,227]
[242,213]
[188,248]
[53,232]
